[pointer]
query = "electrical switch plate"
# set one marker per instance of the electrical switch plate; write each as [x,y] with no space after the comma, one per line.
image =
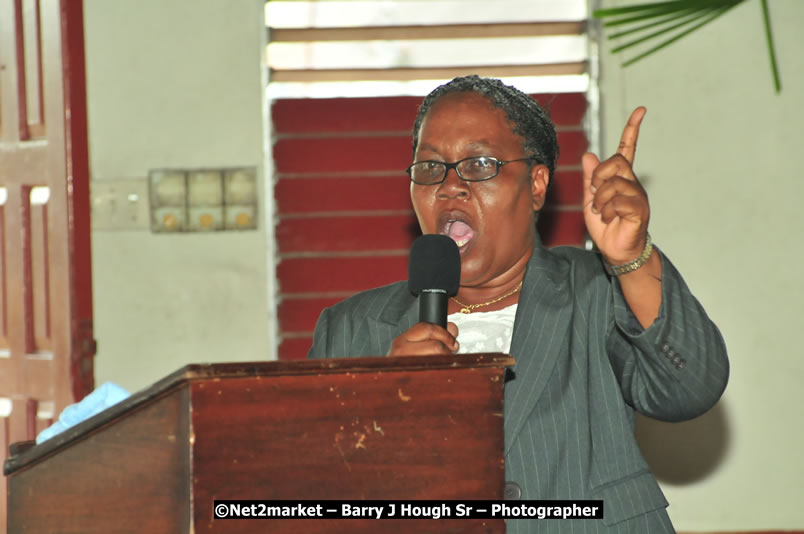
[204,188]
[120,204]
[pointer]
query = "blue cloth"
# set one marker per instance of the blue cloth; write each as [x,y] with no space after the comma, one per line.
[103,397]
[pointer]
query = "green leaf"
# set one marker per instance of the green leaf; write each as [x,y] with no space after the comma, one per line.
[652,15]
[675,38]
[650,36]
[657,6]
[660,7]
[663,17]
[777,84]
[660,22]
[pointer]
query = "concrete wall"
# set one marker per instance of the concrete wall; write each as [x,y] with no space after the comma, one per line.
[718,153]
[175,84]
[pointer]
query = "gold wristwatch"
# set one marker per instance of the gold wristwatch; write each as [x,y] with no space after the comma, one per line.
[617,270]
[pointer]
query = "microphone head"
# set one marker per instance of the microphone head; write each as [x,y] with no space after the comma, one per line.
[435,263]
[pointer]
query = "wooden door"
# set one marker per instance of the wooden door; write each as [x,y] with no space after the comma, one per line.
[46,344]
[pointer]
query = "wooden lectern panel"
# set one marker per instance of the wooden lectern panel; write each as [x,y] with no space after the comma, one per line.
[132,473]
[404,428]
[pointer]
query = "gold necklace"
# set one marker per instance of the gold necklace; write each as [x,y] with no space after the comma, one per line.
[467,308]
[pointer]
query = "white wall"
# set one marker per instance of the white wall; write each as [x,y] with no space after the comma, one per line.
[719,155]
[175,84]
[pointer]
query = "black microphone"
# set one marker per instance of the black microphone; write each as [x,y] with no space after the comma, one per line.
[434,275]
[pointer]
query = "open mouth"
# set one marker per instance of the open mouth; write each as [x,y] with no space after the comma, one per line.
[458,229]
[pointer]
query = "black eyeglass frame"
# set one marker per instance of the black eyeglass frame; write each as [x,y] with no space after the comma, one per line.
[454,165]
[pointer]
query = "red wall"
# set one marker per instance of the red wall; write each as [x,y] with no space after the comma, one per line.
[345,218]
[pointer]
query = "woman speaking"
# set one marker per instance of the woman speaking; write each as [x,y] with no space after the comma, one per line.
[596,335]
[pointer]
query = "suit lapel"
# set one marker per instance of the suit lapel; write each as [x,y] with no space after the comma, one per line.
[399,314]
[541,329]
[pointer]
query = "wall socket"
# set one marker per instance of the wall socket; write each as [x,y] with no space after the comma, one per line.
[120,204]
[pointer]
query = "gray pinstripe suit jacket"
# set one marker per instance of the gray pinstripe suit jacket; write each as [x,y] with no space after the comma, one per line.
[583,366]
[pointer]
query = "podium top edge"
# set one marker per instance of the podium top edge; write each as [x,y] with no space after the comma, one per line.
[340,365]
[219,371]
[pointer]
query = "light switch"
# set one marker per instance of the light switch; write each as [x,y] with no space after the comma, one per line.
[203,200]
[168,188]
[205,188]
[120,204]
[240,186]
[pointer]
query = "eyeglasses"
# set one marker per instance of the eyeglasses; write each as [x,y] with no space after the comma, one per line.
[475,169]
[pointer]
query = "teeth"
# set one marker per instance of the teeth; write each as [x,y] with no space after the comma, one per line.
[461,242]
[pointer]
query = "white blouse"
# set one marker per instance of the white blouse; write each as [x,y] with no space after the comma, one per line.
[485,331]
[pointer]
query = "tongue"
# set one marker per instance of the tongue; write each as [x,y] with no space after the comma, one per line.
[460,230]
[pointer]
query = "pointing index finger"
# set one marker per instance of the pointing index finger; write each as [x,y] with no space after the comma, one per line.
[628,141]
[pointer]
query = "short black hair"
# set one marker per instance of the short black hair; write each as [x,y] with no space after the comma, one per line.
[527,116]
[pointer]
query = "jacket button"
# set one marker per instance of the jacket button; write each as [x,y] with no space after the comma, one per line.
[665,347]
[512,491]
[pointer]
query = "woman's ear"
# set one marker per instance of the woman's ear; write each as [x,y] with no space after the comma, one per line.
[539,180]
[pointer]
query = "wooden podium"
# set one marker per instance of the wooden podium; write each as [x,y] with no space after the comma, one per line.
[404,428]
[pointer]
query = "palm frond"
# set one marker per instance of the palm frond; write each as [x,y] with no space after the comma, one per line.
[710,18]
[777,84]
[681,16]
[690,19]
[648,14]
[670,5]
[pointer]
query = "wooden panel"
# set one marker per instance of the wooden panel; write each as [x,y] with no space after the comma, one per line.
[319,275]
[426,73]
[338,234]
[4,443]
[4,343]
[347,115]
[18,421]
[328,155]
[378,153]
[406,33]
[146,455]
[325,194]
[32,64]
[31,407]
[388,114]
[301,314]
[431,434]
[42,84]
[26,249]
[385,428]
[19,70]
[77,176]
[40,276]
